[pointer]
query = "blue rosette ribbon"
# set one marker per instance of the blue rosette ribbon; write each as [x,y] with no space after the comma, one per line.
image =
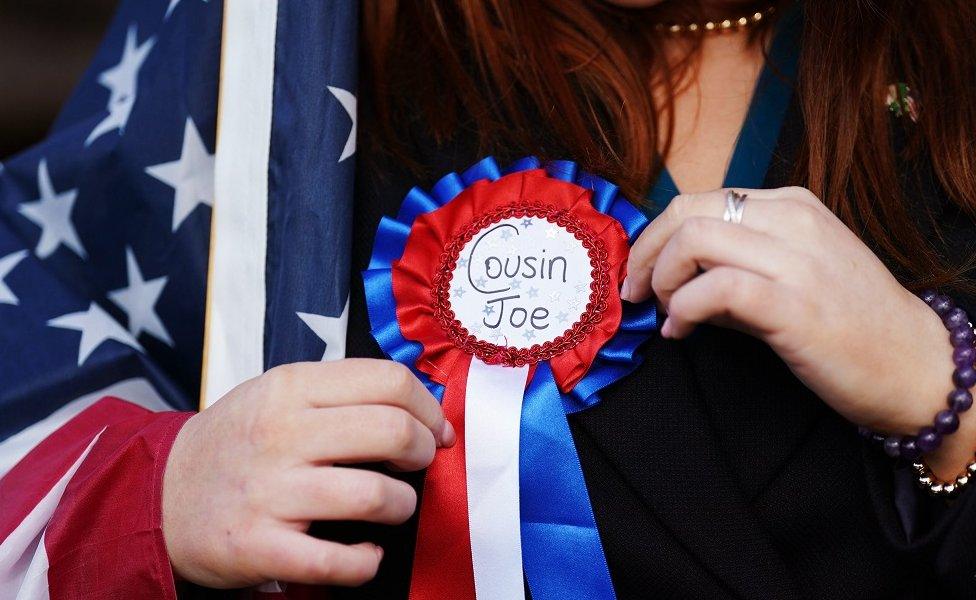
[561,550]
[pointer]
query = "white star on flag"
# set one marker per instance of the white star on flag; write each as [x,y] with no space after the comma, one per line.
[331,330]
[348,102]
[138,300]
[96,326]
[52,213]
[122,83]
[191,175]
[7,264]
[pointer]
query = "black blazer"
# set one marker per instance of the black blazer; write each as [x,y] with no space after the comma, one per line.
[713,472]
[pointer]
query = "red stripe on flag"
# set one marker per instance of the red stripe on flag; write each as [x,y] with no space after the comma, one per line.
[34,476]
[105,539]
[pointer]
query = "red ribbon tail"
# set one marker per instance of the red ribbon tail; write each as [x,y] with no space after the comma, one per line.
[442,566]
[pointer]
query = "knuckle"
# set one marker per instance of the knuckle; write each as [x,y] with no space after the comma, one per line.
[360,567]
[692,230]
[320,567]
[677,246]
[801,194]
[677,306]
[399,504]
[398,378]
[680,205]
[279,382]
[398,430]
[371,496]
[410,498]
[638,265]
[323,490]
[658,287]
[739,293]
[728,283]
[807,216]
[365,569]
[262,431]
[282,374]
[429,448]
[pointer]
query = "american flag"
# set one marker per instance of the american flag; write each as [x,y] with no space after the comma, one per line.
[128,225]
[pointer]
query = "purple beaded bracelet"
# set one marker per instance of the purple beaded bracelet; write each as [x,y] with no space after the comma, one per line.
[946,421]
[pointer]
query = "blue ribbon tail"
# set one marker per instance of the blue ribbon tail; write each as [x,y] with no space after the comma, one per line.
[561,550]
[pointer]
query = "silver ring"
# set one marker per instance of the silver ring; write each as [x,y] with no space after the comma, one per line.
[734,206]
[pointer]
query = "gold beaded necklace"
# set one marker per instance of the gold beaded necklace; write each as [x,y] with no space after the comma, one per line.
[725,25]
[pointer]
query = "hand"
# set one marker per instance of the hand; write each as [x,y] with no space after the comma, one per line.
[793,275]
[247,476]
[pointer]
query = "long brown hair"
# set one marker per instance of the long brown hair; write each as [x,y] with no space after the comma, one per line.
[576,77]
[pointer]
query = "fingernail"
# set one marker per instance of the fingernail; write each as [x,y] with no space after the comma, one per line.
[448,435]
[666,328]
[625,289]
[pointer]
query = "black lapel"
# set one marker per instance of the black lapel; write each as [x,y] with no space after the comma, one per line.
[654,427]
[704,426]
[770,415]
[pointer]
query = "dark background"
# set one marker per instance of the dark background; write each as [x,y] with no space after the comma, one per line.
[45,46]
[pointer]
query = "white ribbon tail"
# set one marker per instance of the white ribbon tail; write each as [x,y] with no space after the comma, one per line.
[492,413]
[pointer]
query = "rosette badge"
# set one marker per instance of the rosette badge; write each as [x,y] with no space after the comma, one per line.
[500,290]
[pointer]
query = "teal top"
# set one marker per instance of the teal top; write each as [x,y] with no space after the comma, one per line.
[760,131]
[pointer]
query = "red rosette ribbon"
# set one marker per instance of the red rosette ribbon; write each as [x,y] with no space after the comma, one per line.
[476,525]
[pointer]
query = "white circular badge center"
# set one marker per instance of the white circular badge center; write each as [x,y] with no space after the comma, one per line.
[520,282]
